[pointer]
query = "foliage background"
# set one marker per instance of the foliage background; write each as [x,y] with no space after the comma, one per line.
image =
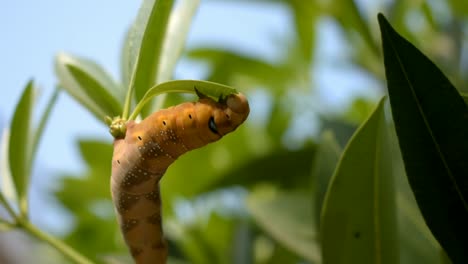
[306,67]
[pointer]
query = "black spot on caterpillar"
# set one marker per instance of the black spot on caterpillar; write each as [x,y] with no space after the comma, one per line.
[141,158]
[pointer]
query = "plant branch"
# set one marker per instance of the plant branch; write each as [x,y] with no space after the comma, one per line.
[66,250]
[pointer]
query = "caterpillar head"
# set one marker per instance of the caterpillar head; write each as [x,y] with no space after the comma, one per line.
[207,120]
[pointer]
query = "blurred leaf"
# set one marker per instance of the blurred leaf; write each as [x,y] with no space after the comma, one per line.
[271,168]
[348,15]
[226,65]
[305,13]
[459,7]
[90,85]
[202,167]
[7,191]
[360,109]
[20,145]
[326,157]
[147,37]
[5,226]
[208,242]
[95,229]
[287,217]
[214,90]
[96,91]
[358,223]
[97,156]
[426,107]
[465,98]
[43,122]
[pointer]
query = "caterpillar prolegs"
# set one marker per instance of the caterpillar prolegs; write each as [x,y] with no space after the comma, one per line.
[141,158]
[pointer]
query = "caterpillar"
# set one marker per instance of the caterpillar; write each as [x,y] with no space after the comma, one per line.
[141,158]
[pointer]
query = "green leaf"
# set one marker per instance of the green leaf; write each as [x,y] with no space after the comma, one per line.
[326,158]
[288,218]
[305,14]
[174,42]
[417,244]
[227,66]
[214,90]
[146,42]
[7,188]
[206,241]
[358,223]
[90,85]
[95,229]
[465,97]
[43,122]
[270,168]
[20,145]
[431,121]
[348,15]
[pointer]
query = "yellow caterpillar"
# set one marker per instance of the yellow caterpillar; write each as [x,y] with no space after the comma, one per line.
[141,158]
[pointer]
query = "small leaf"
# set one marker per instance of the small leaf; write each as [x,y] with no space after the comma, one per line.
[43,122]
[358,223]
[90,85]
[431,121]
[20,144]
[96,91]
[211,89]
[288,218]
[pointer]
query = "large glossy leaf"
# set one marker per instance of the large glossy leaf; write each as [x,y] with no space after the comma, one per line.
[417,244]
[90,85]
[288,218]
[431,121]
[358,223]
[20,144]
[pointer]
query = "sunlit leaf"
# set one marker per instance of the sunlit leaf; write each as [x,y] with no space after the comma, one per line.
[431,121]
[43,122]
[7,191]
[214,90]
[180,21]
[288,218]
[358,223]
[145,47]
[90,85]
[20,144]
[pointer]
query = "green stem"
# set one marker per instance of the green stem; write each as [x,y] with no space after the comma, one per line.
[67,251]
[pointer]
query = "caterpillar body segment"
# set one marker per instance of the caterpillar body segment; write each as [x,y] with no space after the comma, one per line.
[141,158]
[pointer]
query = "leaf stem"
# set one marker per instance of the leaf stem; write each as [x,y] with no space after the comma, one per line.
[66,250]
